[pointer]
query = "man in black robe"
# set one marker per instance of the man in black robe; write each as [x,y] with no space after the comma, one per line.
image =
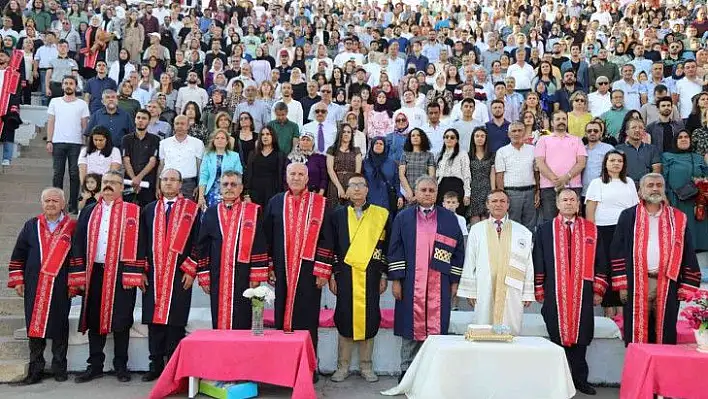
[40,268]
[168,232]
[654,265]
[359,276]
[106,246]
[570,278]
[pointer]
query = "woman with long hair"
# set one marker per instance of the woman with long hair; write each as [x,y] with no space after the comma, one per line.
[245,136]
[359,137]
[531,132]
[99,155]
[133,36]
[147,81]
[196,128]
[218,158]
[166,88]
[482,167]
[298,83]
[265,169]
[700,105]
[416,161]
[544,82]
[607,196]
[266,93]
[532,103]
[453,170]
[316,163]
[343,160]
[379,121]
[356,108]
[381,172]
[338,80]
[579,116]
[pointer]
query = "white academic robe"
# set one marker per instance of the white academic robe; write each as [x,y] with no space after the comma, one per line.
[476,281]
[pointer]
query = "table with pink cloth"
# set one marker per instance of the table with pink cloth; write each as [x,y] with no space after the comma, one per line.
[275,358]
[677,371]
[327,318]
[684,332]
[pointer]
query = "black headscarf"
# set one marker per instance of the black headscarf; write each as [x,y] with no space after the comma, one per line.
[377,160]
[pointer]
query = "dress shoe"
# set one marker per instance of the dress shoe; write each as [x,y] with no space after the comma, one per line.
[151,375]
[31,379]
[586,389]
[60,376]
[88,375]
[123,375]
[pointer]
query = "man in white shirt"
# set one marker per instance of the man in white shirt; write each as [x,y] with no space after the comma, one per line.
[416,116]
[481,111]
[348,54]
[686,88]
[521,71]
[599,100]
[160,12]
[295,113]
[7,29]
[396,64]
[634,92]
[434,128]
[42,60]
[183,153]
[323,131]
[335,112]
[64,137]
[191,92]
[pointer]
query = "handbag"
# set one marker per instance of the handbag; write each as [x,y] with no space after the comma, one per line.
[688,190]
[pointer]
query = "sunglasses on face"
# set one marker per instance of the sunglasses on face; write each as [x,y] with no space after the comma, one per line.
[451,137]
[604,83]
[579,100]
[593,130]
[320,111]
[230,184]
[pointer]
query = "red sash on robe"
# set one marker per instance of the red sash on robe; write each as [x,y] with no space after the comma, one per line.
[54,248]
[238,226]
[672,228]
[571,273]
[122,247]
[302,221]
[169,240]
[9,84]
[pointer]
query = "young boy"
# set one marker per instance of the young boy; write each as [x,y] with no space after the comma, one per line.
[451,202]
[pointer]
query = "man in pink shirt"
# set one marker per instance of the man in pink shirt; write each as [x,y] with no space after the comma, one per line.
[560,158]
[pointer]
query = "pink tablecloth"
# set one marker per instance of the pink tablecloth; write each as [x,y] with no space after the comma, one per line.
[327,318]
[677,371]
[229,355]
[684,332]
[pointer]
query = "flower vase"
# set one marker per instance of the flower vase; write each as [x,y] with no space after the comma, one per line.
[257,317]
[701,340]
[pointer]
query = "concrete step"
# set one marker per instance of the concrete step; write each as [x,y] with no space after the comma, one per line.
[8,324]
[13,349]
[12,306]
[13,370]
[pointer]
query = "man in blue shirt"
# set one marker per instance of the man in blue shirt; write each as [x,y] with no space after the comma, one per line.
[96,85]
[117,121]
[497,128]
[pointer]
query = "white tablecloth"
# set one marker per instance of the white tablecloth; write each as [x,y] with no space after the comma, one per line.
[449,367]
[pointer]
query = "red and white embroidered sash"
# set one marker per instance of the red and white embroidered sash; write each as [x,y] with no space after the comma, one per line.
[672,228]
[573,266]
[122,247]
[53,248]
[302,221]
[169,240]
[9,84]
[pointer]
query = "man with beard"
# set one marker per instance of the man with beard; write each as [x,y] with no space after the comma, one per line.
[563,94]
[570,278]
[40,270]
[140,152]
[299,239]
[664,130]
[191,92]
[232,255]
[168,232]
[105,248]
[604,68]
[654,265]
[560,157]
[118,122]
[359,276]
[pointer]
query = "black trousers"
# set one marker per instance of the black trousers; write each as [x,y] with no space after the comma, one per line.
[576,360]
[163,341]
[120,349]
[59,349]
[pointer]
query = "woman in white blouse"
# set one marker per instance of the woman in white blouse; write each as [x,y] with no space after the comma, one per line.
[99,156]
[607,196]
[453,170]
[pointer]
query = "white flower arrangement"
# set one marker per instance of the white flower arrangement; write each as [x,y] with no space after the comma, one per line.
[261,293]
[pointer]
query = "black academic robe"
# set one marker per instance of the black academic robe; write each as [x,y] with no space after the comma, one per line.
[25,268]
[344,314]
[624,277]
[97,281]
[209,251]
[181,299]
[546,285]
[306,306]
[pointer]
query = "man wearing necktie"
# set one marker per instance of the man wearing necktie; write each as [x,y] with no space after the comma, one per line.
[324,132]
[571,278]
[497,279]
[168,234]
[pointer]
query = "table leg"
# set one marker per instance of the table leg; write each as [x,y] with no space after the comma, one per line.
[193,387]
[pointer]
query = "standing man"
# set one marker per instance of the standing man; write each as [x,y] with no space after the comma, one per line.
[191,92]
[426,254]
[497,278]
[42,61]
[58,68]
[259,110]
[294,108]
[517,175]
[466,124]
[40,271]
[654,265]
[596,151]
[599,101]
[634,92]
[184,153]
[435,128]
[106,246]
[298,236]
[64,137]
[664,130]
[140,152]
[230,263]
[117,121]
[498,127]
[288,132]
[642,158]
[570,278]
[93,92]
[359,276]
[686,88]
[335,112]
[324,132]
[560,158]
[168,234]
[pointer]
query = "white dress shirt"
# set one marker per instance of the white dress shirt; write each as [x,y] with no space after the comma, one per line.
[103,230]
[653,245]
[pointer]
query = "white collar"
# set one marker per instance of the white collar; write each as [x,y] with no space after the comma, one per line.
[165,200]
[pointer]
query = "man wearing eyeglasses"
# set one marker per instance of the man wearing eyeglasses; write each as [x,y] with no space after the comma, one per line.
[596,150]
[168,230]
[599,101]
[335,112]
[324,131]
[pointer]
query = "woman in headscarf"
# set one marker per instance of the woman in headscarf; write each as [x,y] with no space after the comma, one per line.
[439,90]
[96,41]
[396,140]
[381,173]
[261,66]
[217,67]
[316,163]
[379,120]
[215,105]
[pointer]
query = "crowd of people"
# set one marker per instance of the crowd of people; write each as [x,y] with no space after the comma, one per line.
[516,111]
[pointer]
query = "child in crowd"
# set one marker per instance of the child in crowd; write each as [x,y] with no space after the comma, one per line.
[451,202]
[91,187]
